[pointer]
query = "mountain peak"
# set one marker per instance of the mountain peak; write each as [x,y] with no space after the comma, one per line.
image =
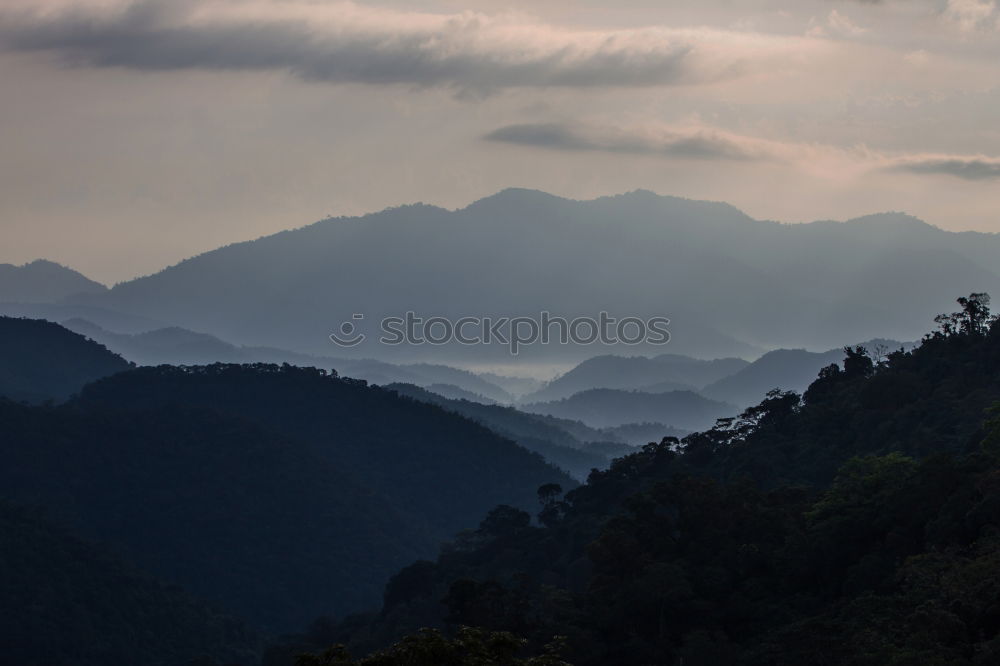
[43,281]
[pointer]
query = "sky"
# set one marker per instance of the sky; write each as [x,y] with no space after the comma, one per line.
[136,134]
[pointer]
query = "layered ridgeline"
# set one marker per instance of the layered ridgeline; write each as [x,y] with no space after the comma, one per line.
[179,346]
[727,282]
[602,408]
[661,373]
[729,380]
[570,445]
[41,361]
[856,524]
[274,492]
[66,601]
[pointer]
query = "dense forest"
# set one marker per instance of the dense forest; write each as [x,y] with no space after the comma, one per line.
[856,524]
[65,601]
[275,492]
[40,360]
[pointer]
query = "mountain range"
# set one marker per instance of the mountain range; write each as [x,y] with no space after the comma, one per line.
[731,285]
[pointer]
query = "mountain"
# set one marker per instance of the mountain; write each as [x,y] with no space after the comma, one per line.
[171,345]
[276,492]
[457,393]
[554,443]
[435,469]
[516,386]
[105,318]
[43,281]
[786,369]
[730,284]
[40,360]
[853,525]
[179,346]
[241,516]
[640,434]
[66,601]
[659,374]
[603,408]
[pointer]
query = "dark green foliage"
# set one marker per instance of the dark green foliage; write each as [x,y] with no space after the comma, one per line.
[67,602]
[535,433]
[40,360]
[441,471]
[241,516]
[279,493]
[860,526]
[470,647]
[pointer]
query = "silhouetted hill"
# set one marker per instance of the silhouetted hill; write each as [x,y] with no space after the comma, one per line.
[720,276]
[666,372]
[43,281]
[253,521]
[553,443]
[64,601]
[786,369]
[436,469]
[40,360]
[603,408]
[856,524]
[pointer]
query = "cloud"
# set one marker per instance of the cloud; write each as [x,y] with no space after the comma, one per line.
[348,43]
[693,143]
[835,24]
[709,143]
[970,15]
[967,168]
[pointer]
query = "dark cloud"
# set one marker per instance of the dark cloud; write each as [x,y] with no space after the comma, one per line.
[974,168]
[697,144]
[462,51]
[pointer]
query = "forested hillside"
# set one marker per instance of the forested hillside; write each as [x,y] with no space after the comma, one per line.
[41,361]
[857,524]
[279,493]
[67,602]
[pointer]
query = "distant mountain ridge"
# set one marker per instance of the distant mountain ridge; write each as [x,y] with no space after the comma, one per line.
[608,408]
[43,281]
[666,372]
[785,369]
[730,284]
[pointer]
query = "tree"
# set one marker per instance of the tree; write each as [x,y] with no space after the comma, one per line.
[973,319]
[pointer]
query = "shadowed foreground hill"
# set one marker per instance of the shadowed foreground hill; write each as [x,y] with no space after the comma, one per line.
[40,360]
[556,445]
[67,602]
[243,517]
[280,493]
[854,525]
[440,469]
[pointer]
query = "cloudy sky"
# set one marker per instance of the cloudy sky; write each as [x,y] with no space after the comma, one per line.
[134,134]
